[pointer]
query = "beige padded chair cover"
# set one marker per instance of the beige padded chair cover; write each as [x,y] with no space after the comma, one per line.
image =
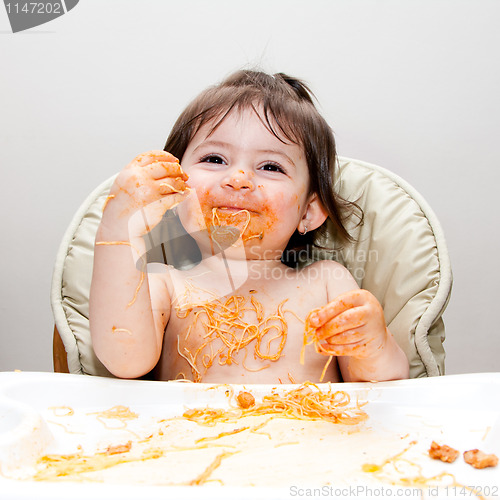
[400,256]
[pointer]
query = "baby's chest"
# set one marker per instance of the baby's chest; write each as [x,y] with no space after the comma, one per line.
[252,330]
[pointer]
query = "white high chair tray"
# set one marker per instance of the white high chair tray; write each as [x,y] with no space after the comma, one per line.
[46,413]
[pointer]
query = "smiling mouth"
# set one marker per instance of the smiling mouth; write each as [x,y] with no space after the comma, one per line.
[231,220]
[230,216]
[234,209]
[227,223]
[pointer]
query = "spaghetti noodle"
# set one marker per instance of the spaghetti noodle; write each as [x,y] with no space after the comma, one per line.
[224,230]
[143,274]
[68,411]
[306,402]
[391,471]
[225,227]
[203,477]
[71,465]
[118,412]
[310,337]
[107,200]
[227,331]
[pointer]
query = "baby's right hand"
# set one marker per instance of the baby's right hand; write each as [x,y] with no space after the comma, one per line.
[145,189]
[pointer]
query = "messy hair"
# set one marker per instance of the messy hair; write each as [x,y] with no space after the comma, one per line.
[285,106]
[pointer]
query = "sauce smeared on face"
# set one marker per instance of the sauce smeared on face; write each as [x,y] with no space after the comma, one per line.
[247,181]
[226,224]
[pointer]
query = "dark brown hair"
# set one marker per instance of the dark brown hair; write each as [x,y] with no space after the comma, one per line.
[288,111]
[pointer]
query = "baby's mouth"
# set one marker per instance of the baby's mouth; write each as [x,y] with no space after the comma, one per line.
[228,223]
[233,209]
[234,217]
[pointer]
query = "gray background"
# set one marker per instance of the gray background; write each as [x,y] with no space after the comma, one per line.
[409,85]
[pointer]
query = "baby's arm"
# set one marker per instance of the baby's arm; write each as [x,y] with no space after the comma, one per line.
[129,309]
[352,327]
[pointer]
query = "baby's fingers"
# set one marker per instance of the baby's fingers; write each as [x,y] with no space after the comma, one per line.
[340,304]
[348,320]
[169,186]
[346,337]
[163,169]
[149,157]
[356,349]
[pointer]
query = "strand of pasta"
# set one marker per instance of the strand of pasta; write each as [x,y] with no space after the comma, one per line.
[311,337]
[107,200]
[381,472]
[222,228]
[223,320]
[306,402]
[203,477]
[143,259]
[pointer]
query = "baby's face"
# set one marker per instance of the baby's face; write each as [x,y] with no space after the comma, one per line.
[248,180]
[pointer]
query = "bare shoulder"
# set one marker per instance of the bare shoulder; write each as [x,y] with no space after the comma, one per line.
[334,276]
[328,269]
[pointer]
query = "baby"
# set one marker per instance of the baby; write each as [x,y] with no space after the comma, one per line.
[257,178]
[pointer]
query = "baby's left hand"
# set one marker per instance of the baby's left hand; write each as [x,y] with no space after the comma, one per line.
[351,325]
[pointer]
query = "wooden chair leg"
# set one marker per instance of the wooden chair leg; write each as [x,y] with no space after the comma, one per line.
[59,354]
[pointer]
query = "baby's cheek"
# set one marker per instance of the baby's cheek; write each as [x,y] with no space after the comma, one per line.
[270,220]
[296,202]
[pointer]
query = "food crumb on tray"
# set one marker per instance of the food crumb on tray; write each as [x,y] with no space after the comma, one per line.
[480,460]
[443,452]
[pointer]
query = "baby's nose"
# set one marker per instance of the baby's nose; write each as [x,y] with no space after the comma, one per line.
[239,179]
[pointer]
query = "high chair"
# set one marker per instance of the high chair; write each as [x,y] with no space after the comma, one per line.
[399,255]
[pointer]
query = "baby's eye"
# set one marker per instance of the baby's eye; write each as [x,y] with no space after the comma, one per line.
[273,167]
[212,159]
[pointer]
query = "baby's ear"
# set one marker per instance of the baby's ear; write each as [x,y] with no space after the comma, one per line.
[314,215]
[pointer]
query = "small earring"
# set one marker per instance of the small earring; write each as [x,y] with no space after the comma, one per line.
[304,231]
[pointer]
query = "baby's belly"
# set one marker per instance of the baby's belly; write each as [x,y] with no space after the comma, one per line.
[243,357]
